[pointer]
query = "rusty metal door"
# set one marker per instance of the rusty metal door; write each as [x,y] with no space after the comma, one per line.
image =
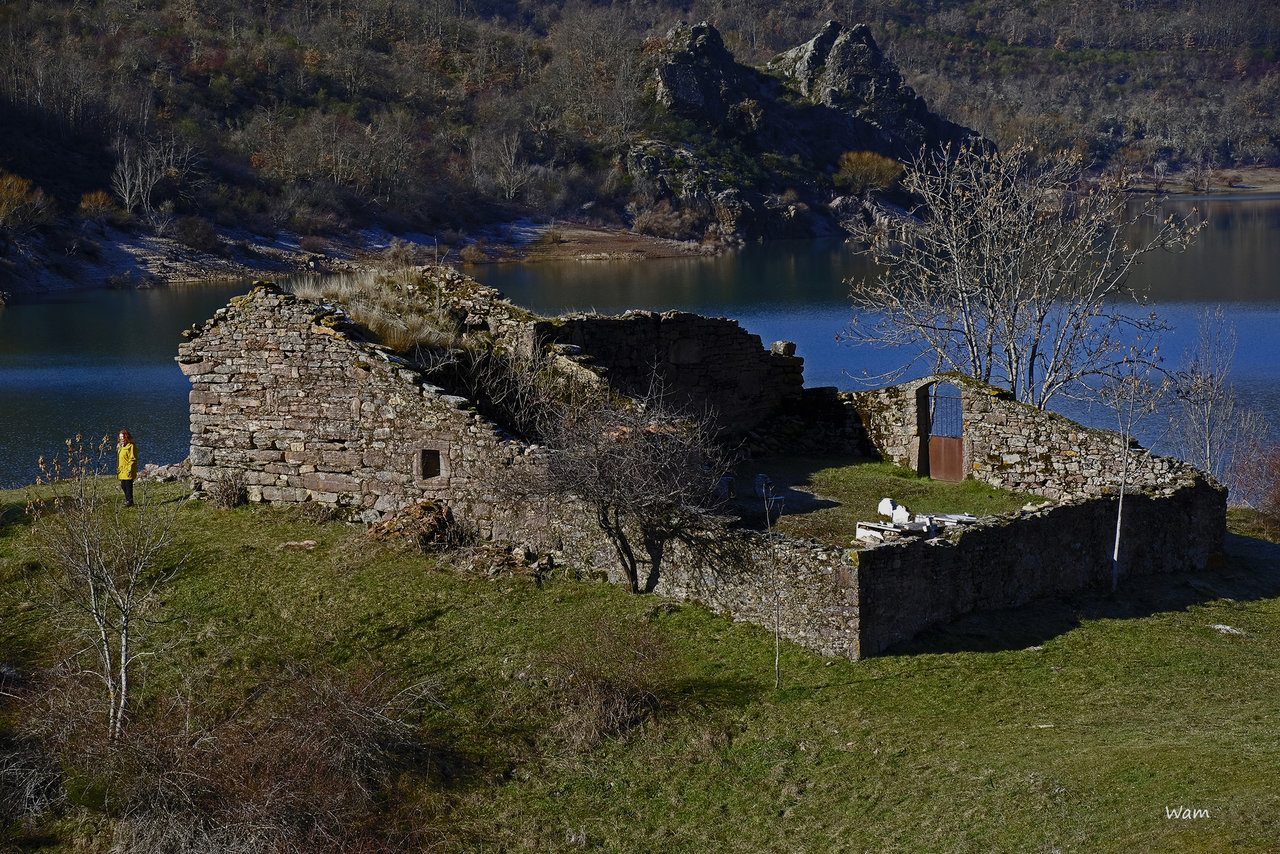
[946,433]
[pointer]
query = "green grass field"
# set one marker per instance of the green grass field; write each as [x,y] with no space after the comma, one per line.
[1075,724]
[826,498]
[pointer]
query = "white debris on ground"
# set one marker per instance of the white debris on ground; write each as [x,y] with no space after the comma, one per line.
[902,522]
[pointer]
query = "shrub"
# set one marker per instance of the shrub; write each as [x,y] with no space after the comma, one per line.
[197,233]
[1259,486]
[314,244]
[101,209]
[309,761]
[474,253]
[228,490]
[686,222]
[402,253]
[22,208]
[861,171]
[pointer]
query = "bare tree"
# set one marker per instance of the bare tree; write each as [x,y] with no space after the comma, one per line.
[1208,426]
[1014,273]
[106,564]
[648,471]
[497,162]
[1133,396]
[141,168]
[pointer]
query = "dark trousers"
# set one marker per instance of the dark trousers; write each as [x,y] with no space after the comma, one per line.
[127,486]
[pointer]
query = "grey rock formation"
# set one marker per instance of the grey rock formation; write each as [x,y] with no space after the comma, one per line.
[750,153]
[843,68]
[698,76]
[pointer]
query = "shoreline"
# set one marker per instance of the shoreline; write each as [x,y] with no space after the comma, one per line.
[1223,184]
[119,259]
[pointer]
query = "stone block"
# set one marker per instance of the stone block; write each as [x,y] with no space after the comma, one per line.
[329,482]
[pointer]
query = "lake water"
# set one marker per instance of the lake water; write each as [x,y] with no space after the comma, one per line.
[93,362]
[96,361]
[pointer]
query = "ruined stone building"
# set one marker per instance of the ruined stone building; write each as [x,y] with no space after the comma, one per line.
[288,395]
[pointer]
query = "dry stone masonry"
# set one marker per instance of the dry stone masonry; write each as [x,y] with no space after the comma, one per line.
[283,394]
[703,362]
[287,395]
[1013,446]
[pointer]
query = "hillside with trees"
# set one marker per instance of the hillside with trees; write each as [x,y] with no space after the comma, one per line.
[316,117]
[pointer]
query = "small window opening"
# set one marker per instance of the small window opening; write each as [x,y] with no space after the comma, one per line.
[429,464]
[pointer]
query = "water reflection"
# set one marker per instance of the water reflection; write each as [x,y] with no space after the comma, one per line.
[1233,260]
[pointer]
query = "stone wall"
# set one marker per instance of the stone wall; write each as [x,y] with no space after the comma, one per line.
[1010,445]
[1002,562]
[284,392]
[811,588]
[856,602]
[701,361]
[287,394]
[810,583]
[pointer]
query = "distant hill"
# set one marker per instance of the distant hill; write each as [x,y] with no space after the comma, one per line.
[317,117]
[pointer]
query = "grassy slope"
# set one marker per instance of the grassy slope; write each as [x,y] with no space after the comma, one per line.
[1068,726]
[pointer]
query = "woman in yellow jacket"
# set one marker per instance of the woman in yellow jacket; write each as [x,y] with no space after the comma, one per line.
[126,464]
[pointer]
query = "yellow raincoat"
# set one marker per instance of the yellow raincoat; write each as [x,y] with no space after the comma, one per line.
[126,461]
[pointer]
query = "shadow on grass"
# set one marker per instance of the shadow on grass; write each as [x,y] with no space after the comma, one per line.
[12,513]
[1251,571]
[788,476]
[718,693]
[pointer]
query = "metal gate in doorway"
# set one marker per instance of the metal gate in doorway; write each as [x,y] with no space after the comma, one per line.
[946,433]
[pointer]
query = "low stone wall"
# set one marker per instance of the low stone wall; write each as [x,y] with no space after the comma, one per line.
[809,588]
[1010,445]
[853,603]
[1002,562]
[807,585]
[702,361]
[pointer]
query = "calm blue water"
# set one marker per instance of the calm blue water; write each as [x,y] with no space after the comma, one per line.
[94,362]
[97,361]
[784,291]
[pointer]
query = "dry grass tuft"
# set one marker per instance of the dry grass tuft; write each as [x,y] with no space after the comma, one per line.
[228,490]
[607,678]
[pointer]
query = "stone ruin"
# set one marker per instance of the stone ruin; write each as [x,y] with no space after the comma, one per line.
[289,396]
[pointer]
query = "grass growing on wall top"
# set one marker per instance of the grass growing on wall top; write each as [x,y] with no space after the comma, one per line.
[1070,725]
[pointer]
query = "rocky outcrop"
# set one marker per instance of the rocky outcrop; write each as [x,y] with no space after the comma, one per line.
[757,150]
[698,77]
[844,69]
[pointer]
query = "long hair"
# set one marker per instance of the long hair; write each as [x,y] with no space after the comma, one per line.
[128,437]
